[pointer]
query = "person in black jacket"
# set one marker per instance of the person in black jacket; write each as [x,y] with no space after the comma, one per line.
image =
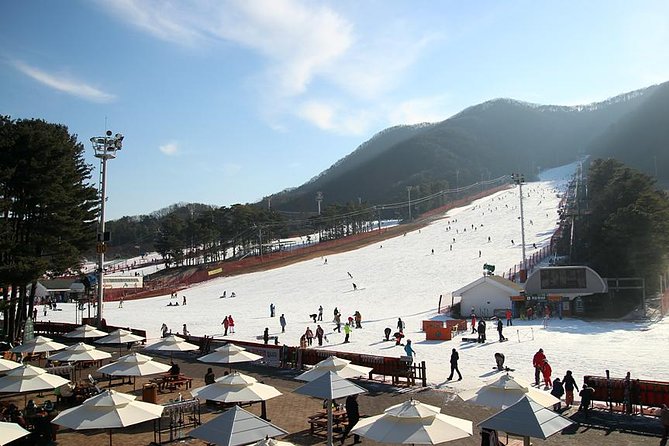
[454,365]
[569,384]
[586,395]
[353,415]
[481,331]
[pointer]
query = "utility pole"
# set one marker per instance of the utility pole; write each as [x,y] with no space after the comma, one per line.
[519,179]
[409,191]
[105,148]
[319,198]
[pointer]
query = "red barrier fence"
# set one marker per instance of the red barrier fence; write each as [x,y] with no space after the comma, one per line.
[629,392]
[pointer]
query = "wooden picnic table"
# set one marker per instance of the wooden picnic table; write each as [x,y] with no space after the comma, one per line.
[319,420]
[172,382]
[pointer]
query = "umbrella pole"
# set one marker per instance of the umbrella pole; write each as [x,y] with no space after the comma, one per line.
[110,437]
[329,422]
[263,410]
[526,441]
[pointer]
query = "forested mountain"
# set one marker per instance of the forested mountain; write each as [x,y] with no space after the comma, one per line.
[490,140]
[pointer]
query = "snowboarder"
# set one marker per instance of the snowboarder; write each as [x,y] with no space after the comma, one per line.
[408,350]
[282,321]
[481,331]
[310,336]
[387,332]
[120,302]
[265,336]
[184,301]
[347,333]
[569,384]
[499,360]
[400,325]
[349,274]
[271,310]
[319,335]
[500,327]
[185,331]
[455,357]
[355,287]
[337,320]
[398,337]
[538,362]
[320,312]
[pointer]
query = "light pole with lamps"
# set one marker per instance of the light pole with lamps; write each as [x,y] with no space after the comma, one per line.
[105,148]
[409,192]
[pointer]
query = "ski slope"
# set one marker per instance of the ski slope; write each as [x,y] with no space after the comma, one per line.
[400,277]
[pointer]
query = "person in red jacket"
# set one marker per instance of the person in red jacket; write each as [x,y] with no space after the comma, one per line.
[473,322]
[546,369]
[509,318]
[538,363]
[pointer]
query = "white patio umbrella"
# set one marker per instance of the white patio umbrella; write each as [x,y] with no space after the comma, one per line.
[6,365]
[415,423]
[341,367]
[528,419]
[10,432]
[28,378]
[172,343]
[237,388]
[134,364]
[39,344]
[120,336]
[272,442]
[505,391]
[236,427]
[330,386]
[80,352]
[85,332]
[229,354]
[108,410]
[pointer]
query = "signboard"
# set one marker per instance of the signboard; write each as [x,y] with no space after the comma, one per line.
[213,272]
[28,331]
[126,282]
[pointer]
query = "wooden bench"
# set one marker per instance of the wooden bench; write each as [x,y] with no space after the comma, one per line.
[177,383]
[319,422]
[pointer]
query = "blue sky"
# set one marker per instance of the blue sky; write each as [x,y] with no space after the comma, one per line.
[225,102]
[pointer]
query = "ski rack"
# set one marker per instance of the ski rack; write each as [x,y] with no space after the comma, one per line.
[176,417]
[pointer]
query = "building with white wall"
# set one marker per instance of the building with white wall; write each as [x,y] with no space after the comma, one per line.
[488,295]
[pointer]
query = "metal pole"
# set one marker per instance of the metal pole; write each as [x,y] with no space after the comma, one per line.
[101,236]
[409,191]
[522,223]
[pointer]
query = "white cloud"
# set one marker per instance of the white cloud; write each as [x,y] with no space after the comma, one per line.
[65,84]
[336,118]
[419,110]
[169,149]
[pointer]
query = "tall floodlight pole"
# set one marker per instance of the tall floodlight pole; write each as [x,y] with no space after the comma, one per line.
[409,192]
[105,148]
[519,179]
[319,198]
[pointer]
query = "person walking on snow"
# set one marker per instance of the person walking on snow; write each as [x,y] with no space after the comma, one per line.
[271,310]
[358,319]
[337,320]
[509,318]
[408,350]
[320,312]
[538,363]
[319,335]
[265,336]
[473,322]
[546,370]
[400,325]
[500,327]
[310,336]
[569,385]
[226,325]
[455,357]
[231,324]
[347,333]
[282,321]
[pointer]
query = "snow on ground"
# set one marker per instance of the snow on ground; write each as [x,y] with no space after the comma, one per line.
[401,278]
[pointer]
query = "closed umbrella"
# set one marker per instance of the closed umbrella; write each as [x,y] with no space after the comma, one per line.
[229,354]
[10,432]
[237,388]
[6,365]
[134,364]
[172,343]
[108,410]
[330,386]
[528,419]
[236,427]
[505,391]
[341,367]
[413,422]
[85,332]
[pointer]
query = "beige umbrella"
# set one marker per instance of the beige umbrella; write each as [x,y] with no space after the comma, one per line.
[85,332]
[120,336]
[172,343]
[6,365]
[10,432]
[237,388]
[413,422]
[28,378]
[39,344]
[236,427]
[341,367]
[272,442]
[134,364]
[229,354]
[506,391]
[108,410]
[80,352]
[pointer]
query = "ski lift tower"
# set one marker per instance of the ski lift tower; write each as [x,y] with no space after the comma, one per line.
[519,179]
[105,148]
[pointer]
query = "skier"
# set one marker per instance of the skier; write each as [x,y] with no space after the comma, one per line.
[500,327]
[347,333]
[271,310]
[282,321]
[349,274]
[184,301]
[185,331]
[537,362]
[265,336]
[569,385]
[320,312]
[400,325]
[319,335]
[120,302]
[455,357]
[408,350]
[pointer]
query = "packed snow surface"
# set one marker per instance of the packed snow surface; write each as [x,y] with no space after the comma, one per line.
[400,277]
